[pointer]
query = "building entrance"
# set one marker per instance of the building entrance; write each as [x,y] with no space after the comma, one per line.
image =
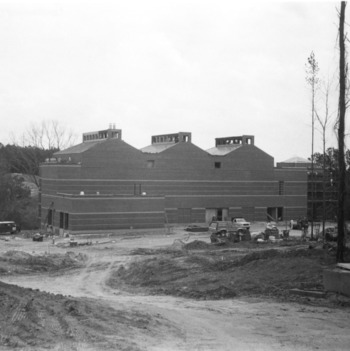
[275,214]
[216,214]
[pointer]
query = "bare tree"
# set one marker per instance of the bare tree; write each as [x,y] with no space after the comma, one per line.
[312,79]
[62,137]
[323,122]
[39,142]
[47,134]
[343,68]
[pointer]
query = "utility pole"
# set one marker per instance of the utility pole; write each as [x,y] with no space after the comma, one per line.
[341,128]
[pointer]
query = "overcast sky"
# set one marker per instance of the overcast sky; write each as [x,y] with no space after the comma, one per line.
[213,68]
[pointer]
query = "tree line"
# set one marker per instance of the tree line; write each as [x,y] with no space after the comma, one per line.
[20,164]
[17,165]
[328,162]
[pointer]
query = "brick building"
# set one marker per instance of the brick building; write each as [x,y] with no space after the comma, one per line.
[105,183]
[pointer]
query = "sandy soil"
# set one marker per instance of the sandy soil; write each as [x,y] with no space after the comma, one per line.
[76,310]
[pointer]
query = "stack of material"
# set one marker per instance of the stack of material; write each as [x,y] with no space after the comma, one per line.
[338,279]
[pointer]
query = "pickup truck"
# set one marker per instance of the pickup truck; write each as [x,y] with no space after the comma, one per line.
[241,222]
[9,227]
[223,231]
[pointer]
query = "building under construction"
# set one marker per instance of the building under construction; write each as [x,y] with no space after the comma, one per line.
[104,183]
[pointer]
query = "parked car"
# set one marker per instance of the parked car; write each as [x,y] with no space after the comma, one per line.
[227,226]
[9,227]
[38,237]
[223,231]
[241,222]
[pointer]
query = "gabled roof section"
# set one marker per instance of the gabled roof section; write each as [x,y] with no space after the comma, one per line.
[157,148]
[91,139]
[163,142]
[294,162]
[78,149]
[296,159]
[223,150]
[224,146]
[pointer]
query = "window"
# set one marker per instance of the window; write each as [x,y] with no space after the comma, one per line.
[50,217]
[61,219]
[150,164]
[217,164]
[281,187]
[66,221]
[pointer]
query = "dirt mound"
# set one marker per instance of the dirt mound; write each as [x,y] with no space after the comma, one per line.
[225,274]
[34,320]
[178,244]
[16,255]
[173,251]
[197,245]
[20,262]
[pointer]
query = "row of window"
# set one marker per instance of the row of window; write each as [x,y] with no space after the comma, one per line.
[173,138]
[234,140]
[64,219]
[91,137]
[151,163]
[100,135]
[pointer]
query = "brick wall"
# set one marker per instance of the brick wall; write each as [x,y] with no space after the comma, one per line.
[101,213]
[183,175]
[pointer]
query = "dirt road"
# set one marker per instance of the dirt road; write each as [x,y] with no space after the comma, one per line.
[185,324]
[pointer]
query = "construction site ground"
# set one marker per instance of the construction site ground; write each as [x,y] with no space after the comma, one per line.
[168,289]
